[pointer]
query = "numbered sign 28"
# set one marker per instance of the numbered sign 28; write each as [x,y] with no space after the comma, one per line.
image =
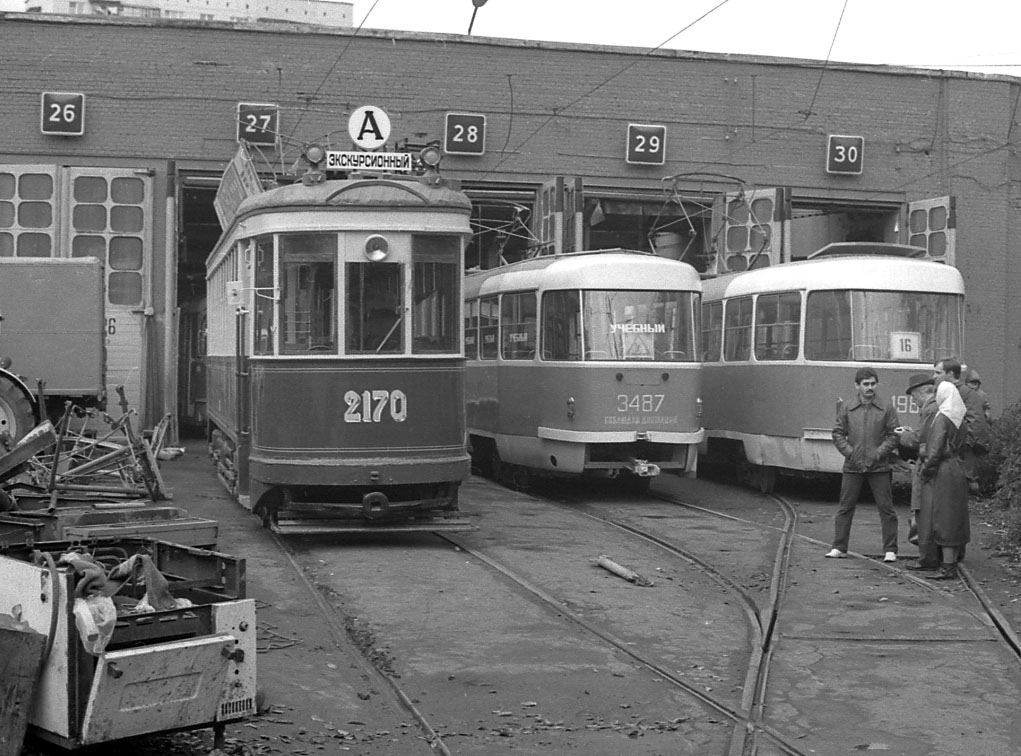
[258,122]
[845,154]
[465,134]
[63,113]
[646,144]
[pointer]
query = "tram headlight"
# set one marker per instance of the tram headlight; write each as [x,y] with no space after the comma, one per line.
[431,156]
[377,248]
[315,154]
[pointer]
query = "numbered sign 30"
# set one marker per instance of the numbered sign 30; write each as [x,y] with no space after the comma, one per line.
[845,154]
[63,113]
[646,144]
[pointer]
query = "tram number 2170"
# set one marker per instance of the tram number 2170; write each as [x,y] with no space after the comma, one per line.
[370,406]
[639,402]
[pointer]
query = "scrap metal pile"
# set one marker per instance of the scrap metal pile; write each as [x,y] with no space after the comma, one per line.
[91,475]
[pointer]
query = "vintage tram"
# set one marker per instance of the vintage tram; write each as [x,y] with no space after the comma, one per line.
[781,345]
[584,363]
[335,395]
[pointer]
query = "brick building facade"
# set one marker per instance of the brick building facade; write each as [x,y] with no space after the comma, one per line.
[938,165]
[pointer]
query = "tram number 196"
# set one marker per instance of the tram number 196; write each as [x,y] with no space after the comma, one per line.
[639,402]
[369,406]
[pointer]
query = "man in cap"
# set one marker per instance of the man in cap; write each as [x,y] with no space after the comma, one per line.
[950,369]
[922,390]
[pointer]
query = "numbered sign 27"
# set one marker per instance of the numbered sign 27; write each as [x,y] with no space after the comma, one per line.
[63,113]
[845,154]
[258,122]
[646,144]
[464,134]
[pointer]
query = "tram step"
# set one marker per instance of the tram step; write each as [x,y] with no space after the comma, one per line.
[313,527]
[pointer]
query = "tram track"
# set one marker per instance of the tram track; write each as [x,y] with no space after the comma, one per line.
[337,626]
[1006,631]
[747,717]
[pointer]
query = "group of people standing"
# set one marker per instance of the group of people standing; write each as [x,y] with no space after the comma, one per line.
[954,432]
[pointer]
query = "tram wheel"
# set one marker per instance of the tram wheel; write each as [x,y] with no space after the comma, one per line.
[16,415]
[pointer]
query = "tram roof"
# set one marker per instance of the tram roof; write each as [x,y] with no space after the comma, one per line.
[592,269]
[369,193]
[862,272]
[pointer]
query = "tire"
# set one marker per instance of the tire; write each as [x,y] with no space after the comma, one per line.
[17,415]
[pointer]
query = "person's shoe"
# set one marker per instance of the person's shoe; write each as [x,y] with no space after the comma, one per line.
[835,554]
[891,556]
[946,572]
[922,566]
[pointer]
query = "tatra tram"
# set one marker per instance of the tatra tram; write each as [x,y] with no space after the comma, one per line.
[335,394]
[781,345]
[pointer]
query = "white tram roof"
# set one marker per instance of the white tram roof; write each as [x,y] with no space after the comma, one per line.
[859,272]
[366,194]
[595,269]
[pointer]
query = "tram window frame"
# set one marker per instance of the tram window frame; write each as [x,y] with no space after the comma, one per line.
[489,327]
[737,330]
[518,325]
[264,312]
[308,297]
[561,325]
[471,329]
[436,290]
[374,302]
[777,337]
[712,331]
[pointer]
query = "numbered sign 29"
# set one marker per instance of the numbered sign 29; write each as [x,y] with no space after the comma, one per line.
[845,154]
[646,144]
[465,134]
[258,122]
[63,113]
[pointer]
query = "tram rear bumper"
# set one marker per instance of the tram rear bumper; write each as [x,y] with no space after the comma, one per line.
[358,471]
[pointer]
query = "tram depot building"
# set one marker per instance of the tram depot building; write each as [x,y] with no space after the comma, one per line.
[114,135]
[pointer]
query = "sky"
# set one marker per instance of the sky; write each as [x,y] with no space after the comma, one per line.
[975,35]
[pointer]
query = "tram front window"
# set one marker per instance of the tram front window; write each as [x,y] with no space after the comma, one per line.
[883,326]
[375,308]
[638,325]
[308,305]
[436,273]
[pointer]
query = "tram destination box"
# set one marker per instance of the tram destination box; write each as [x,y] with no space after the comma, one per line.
[52,328]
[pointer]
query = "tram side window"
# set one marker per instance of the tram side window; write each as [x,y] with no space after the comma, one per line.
[561,325]
[777,326]
[375,308]
[517,315]
[737,336]
[471,329]
[489,327]
[308,302]
[265,310]
[828,325]
[712,331]
[436,277]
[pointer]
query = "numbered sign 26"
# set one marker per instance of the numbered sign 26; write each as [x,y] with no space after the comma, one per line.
[258,122]
[465,134]
[646,144]
[845,154]
[63,113]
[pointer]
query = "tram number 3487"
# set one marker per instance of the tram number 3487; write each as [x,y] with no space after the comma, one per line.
[369,406]
[639,402]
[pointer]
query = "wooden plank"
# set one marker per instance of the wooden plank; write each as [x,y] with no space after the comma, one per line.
[19,671]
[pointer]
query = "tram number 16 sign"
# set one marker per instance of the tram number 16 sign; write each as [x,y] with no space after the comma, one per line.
[845,154]
[63,113]
[646,144]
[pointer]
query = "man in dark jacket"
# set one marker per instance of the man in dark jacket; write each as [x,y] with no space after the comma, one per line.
[922,389]
[977,439]
[865,433]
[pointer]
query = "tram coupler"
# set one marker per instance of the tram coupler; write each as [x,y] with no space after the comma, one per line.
[375,505]
[643,468]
